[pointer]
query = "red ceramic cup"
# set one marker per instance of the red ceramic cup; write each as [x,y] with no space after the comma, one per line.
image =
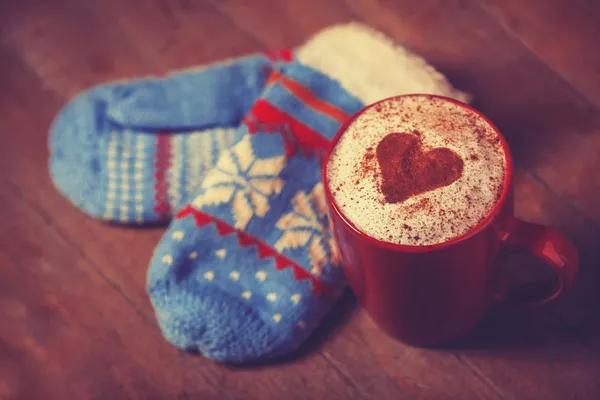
[428,295]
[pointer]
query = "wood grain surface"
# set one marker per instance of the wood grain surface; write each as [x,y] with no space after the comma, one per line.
[75,322]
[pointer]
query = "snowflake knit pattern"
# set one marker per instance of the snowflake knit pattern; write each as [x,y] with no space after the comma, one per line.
[248,269]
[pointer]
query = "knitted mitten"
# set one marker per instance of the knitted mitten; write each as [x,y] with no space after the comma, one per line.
[132,151]
[247,270]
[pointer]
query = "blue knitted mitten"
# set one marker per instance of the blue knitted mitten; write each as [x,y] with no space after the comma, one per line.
[247,270]
[131,152]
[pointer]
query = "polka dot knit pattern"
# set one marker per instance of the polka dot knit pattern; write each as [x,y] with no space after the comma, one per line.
[248,268]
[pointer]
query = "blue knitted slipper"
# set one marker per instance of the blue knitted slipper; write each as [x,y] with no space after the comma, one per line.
[132,152]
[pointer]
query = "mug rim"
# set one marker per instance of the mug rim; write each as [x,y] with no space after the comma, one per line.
[482,225]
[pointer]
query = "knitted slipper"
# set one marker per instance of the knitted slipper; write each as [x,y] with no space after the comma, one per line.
[131,152]
[247,270]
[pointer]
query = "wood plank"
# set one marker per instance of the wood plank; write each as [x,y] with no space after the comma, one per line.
[177,34]
[122,254]
[366,354]
[527,356]
[561,33]
[295,20]
[67,331]
[69,46]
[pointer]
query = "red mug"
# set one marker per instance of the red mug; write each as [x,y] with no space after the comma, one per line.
[429,295]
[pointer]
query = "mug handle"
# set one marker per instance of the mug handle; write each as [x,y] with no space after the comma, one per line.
[548,245]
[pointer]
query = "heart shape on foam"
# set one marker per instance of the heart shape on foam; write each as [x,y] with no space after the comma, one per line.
[407,170]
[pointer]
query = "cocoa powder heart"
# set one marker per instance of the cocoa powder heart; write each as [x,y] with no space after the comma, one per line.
[407,170]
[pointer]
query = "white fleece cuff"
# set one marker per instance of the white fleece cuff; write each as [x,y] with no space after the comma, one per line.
[371,66]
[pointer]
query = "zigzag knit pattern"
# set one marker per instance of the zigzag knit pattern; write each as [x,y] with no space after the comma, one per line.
[249,267]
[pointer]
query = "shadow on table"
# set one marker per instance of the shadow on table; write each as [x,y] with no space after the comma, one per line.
[572,323]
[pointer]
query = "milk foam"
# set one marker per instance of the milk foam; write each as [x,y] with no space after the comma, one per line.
[428,218]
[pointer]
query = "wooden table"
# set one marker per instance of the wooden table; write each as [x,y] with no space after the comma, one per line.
[75,322]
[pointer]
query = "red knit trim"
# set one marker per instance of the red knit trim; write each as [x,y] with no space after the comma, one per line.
[309,98]
[162,163]
[285,55]
[264,250]
[296,135]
